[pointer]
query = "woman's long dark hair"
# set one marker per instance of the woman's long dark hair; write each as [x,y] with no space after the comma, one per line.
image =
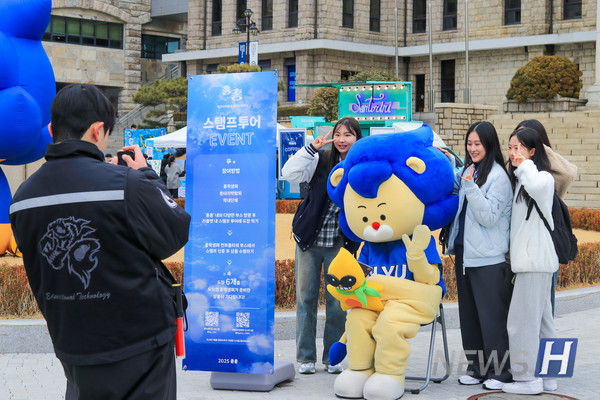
[171,159]
[333,155]
[537,125]
[531,139]
[489,139]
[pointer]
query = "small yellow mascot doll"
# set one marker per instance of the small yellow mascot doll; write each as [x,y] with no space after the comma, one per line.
[393,190]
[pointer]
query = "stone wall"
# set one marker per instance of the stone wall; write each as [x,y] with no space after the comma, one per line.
[574,135]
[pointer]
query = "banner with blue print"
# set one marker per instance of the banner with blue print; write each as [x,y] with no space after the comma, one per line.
[229,272]
[139,136]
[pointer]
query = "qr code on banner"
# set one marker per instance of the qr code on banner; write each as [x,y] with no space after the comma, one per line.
[242,320]
[211,318]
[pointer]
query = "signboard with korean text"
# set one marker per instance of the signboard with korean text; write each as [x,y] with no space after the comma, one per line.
[290,141]
[229,273]
[376,101]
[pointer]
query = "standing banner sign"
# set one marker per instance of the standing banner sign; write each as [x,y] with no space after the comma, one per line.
[290,141]
[229,270]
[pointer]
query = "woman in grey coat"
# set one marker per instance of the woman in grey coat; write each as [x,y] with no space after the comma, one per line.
[479,237]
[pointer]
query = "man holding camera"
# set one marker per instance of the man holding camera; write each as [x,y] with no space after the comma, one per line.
[92,236]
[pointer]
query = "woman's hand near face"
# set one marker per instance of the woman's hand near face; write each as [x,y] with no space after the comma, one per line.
[319,142]
[469,176]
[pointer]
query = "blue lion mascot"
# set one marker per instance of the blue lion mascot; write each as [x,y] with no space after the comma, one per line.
[393,189]
[27,88]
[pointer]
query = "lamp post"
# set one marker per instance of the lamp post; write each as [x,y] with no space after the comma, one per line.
[250,27]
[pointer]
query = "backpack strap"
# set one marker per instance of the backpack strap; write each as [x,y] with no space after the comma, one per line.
[532,203]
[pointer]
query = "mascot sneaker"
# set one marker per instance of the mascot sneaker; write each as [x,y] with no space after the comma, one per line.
[349,384]
[524,387]
[383,387]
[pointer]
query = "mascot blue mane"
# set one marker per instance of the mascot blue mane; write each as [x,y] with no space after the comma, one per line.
[372,160]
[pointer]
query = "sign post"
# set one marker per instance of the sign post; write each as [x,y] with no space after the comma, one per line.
[229,270]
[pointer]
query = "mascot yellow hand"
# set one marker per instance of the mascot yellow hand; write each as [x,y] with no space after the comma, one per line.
[347,283]
[415,255]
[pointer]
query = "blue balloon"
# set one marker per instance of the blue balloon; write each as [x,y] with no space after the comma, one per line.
[27,85]
[27,88]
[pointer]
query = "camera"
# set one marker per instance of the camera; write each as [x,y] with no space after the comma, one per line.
[120,156]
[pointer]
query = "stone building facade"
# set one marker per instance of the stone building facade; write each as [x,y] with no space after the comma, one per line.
[118,71]
[321,49]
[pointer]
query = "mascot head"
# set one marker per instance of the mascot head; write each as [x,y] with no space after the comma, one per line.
[389,184]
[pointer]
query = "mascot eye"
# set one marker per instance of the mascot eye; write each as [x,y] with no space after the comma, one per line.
[365,219]
[332,280]
[348,281]
[382,217]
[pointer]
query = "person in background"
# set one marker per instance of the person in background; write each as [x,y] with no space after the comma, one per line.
[163,164]
[108,157]
[479,237]
[173,172]
[92,256]
[533,260]
[563,172]
[319,238]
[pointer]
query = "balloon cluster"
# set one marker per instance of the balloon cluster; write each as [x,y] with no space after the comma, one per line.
[27,88]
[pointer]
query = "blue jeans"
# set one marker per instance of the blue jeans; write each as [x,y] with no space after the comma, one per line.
[308,281]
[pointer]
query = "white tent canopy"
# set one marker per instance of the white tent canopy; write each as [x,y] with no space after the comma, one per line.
[176,139]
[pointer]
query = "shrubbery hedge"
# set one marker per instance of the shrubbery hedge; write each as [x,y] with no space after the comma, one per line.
[16,299]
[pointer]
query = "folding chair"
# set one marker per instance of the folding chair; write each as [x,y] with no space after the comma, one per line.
[428,378]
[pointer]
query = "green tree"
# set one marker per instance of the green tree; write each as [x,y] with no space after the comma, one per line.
[168,99]
[544,77]
[325,100]
[233,68]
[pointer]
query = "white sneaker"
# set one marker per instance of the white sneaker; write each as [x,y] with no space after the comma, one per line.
[335,369]
[492,384]
[469,380]
[550,385]
[524,387]
[307,368]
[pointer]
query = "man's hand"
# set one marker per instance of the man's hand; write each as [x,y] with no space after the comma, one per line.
[137,162]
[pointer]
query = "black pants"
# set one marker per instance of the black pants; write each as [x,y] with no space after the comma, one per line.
[147,376]
[483,301]
[174,193]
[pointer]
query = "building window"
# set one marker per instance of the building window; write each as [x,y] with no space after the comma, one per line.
[265,65]
[348,14]
[449,15]
[448,74]
[212,68]
[84,32]
[293,14]
[375,15]
[572,9]
[512,12]
[267,15]
[419,16]
[217,17]
[239,10]
[155,46]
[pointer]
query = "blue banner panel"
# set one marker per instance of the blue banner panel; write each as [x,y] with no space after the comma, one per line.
[229,273]
[139,136]
[290,141]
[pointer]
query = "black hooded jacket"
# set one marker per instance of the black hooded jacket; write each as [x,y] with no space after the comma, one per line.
[92,236]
